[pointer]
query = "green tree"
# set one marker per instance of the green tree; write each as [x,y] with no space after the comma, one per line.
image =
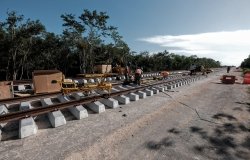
[246,63]
[87,34]
[19,36]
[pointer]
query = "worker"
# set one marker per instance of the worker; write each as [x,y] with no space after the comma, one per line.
[127,73]
[228,69]
[192,69]
[138,73]
[203,71]
[164,74]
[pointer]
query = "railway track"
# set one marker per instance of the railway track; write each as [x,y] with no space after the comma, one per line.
[41,110]
[85,101]
[46,95]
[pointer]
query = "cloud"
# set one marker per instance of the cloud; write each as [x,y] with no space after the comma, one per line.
[228,47]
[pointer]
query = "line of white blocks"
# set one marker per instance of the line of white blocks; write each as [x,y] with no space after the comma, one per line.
[180,83]
[28,127]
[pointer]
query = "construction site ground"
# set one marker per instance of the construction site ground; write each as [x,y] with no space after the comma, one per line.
[203,120]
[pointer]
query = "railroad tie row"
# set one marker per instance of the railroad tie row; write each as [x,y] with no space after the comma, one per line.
[28,127]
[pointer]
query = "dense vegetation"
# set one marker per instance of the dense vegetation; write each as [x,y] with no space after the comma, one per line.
[246,65]
[87,40]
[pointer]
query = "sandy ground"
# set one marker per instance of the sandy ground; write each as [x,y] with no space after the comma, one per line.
[203,120]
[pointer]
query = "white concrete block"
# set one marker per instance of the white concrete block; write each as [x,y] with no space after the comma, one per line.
[56,118]
[46,102]
[25,106]
[176,85]
[155,91]
[133,97]
[168,87]
[161,89]
[122,99]
[27,127]
[97,107]
[173,86]
[3,110]
[79,112]
[110,102]
[149,92]
[78,95]
[141,94]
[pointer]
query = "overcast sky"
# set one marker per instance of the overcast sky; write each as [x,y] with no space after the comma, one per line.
[218,29]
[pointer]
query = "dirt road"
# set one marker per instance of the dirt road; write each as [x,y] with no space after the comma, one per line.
[204,120]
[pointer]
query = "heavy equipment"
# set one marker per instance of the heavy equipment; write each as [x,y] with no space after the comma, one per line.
[68,86]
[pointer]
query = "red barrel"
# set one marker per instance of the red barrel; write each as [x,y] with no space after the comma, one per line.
[247,75]
[246,80]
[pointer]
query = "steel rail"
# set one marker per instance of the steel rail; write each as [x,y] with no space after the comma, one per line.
[43,95]
[19,99]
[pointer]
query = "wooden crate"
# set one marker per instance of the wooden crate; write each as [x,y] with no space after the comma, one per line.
[103,68]
[6,90]
[42,81]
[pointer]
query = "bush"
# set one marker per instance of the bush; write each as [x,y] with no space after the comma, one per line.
[246,70]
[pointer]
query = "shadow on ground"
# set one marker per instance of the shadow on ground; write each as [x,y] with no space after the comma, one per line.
[231,140]
[245,105]
[165,142]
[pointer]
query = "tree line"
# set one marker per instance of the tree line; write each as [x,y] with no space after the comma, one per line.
[246,63]
[86,40]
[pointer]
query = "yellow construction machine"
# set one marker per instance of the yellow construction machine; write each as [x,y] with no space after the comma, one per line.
[68,86]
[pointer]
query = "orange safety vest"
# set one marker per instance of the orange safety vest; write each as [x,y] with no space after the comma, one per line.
[164,73]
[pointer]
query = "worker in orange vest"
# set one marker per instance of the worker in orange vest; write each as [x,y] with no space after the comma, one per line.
[164,74]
